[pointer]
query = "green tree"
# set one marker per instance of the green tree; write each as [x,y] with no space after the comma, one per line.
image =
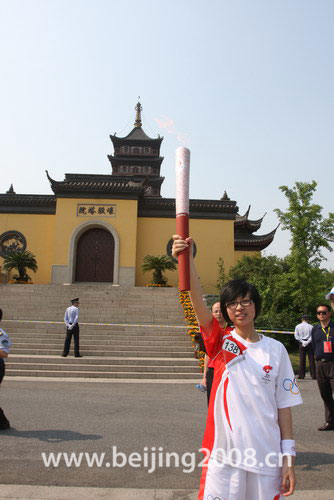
[311,233]
[270,276]
[21,261]
[158,265]
[222,276]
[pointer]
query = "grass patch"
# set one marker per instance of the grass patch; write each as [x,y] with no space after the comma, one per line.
[294,358]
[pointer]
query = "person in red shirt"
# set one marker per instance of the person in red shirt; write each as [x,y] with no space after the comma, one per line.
[208,372]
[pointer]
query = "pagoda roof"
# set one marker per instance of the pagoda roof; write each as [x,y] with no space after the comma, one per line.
[135,160]
[138,134]
[253,242]
[198,209]
[150,179]
[88,185]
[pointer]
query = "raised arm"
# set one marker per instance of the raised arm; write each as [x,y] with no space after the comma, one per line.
[204,316]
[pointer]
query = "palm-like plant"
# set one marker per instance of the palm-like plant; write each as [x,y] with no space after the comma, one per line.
[158,265]
[21,261]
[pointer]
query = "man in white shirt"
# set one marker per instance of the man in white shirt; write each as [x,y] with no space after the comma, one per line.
[303,335]
[72,328]
[330,296]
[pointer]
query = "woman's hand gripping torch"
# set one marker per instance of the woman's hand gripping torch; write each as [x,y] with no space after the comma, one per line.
[182,213]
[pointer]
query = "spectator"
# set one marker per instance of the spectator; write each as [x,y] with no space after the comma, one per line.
[5,344]
[323,345]
[303,335]
[208,371]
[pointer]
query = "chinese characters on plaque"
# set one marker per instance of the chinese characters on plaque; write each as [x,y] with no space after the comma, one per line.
[89,210]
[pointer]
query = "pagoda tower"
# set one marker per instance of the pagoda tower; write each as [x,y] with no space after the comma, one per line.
[137,158]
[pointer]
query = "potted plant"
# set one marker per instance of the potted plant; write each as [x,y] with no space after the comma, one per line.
[158,265]
[20,260]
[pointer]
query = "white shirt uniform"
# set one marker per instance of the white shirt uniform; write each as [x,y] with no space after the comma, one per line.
[253,381]
[5,342]
[71,317]
[303,333]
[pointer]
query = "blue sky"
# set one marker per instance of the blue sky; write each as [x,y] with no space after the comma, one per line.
[247,85]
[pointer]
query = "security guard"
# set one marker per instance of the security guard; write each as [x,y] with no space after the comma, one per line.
[72,328]
[323,345]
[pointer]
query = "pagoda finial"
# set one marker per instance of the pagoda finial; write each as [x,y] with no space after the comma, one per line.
[138,109]
[11,190]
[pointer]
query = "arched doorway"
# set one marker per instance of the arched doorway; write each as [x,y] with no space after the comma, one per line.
[95,256]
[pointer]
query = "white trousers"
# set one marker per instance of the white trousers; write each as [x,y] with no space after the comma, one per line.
[224,482]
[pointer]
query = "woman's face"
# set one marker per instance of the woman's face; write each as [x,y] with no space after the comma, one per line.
[241,311]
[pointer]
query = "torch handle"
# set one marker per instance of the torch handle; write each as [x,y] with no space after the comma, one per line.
[182,229]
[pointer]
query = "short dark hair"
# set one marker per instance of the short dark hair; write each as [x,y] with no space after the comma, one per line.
[239,288]
[324,305]
[0,314]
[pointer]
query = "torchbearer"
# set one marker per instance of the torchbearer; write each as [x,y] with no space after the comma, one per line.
[182,213]
[248,441]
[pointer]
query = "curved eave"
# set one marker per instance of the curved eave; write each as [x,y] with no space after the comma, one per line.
[77,184]
[53,183]
[253,242]
[245,225]
[245,216]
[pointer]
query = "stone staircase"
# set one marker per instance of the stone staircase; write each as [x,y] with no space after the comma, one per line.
[125,333]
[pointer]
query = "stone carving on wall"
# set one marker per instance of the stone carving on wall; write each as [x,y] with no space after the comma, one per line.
[12,241]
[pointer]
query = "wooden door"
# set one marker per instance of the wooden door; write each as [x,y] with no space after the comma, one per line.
[95,256]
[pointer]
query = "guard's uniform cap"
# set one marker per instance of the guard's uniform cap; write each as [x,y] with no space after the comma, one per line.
[75,300]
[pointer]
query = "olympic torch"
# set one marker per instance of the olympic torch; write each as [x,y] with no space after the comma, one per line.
[182,213]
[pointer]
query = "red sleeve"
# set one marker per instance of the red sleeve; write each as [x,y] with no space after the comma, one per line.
[212,338]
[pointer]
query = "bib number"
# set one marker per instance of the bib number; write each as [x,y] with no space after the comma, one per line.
[231,346]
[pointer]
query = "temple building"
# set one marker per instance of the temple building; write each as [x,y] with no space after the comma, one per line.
[98,228]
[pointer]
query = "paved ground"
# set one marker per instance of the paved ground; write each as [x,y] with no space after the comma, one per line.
[95,417]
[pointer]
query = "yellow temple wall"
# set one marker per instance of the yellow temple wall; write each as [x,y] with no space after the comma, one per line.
[213,238]
[52,239]
[69,226]
[38,231]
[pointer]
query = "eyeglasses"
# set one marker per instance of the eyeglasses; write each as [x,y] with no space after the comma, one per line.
[322,312]
[243,303]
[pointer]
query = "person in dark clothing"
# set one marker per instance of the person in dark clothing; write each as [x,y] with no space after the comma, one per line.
[5,343]
[323,346]
[303,335]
